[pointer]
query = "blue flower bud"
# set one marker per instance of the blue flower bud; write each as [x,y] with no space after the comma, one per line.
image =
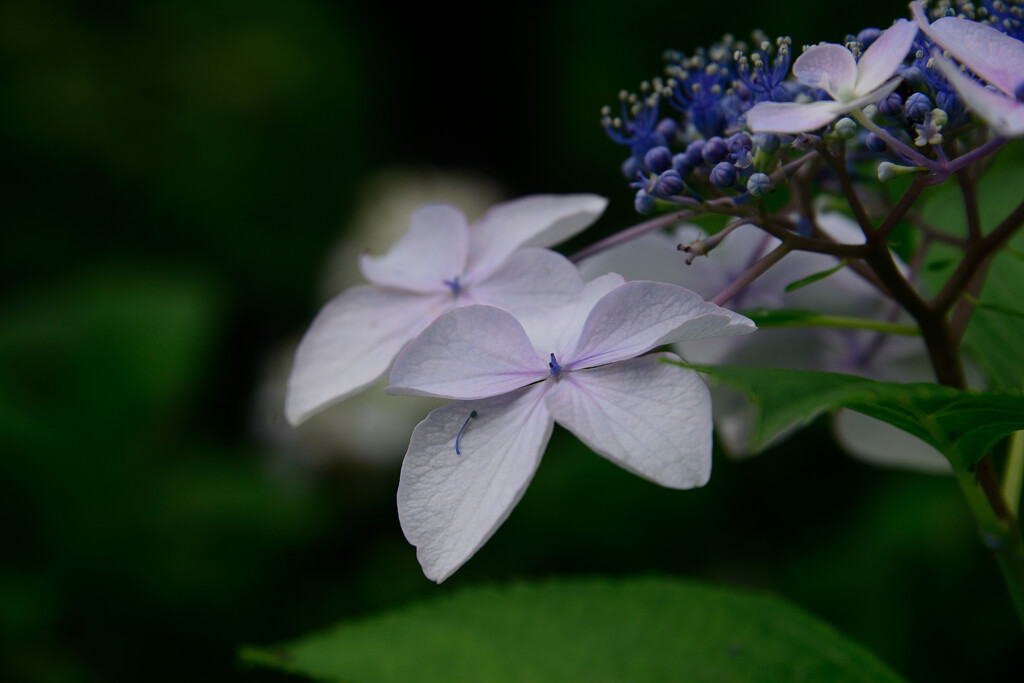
[714,150]
[681,163]
[913,76]
[630,166]
[868,36]
[668,128]
[917,106]
[668,184]
[891,106]
[767,143]
[875,143]
[1018,92]
[804,227]
[644,203]
[759,184]
[723,174]
[658,159]
[694,155]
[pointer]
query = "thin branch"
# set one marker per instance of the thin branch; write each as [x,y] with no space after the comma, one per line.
[752,273]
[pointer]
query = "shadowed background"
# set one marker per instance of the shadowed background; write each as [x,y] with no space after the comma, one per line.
[177,174]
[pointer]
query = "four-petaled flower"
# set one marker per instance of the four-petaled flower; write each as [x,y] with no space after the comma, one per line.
[470,461]
[441,263]
[852,84]
[991,55]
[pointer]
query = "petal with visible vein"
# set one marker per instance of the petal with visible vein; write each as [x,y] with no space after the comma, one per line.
[432,251]
[790,117]
[450,504]
[880,61]
[468,353]
[351,344]
[828,66]
[649,417]
[638,316]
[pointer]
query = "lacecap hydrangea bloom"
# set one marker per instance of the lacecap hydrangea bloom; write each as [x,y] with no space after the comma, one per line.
[582,365]
[441,263]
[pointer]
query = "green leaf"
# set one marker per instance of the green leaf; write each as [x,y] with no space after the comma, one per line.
[643,629]
[785,317]
[963,425]
[814,277]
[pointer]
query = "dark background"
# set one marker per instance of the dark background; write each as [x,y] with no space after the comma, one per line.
[176,174]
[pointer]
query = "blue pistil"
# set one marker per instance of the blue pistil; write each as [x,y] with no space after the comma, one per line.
[458,437]
[556,369]
[454,284]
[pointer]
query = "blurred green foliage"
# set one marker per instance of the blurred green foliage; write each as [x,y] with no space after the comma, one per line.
[176,173]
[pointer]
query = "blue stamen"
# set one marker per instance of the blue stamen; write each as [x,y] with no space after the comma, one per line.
[556,369]
[456,287]
[458,437]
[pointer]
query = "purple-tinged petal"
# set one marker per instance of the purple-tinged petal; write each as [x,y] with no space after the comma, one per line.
[468,353]
[530,279]
[541,220]
[450,504]
[352,342]
[555,330]
[432,251]
[649,417]
[988,52]
[1004,114]
[791,117]
[828,66]
[639,315]
[879,62]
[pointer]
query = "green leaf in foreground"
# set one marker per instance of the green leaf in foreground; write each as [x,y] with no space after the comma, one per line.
[963,425]
[646,629]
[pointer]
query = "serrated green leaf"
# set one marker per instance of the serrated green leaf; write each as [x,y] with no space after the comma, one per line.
[963,425]
[814,277]
[645,629]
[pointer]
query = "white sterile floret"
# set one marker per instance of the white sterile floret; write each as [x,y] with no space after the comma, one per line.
[441,263]
[583,366]
[851,84]
[991,55]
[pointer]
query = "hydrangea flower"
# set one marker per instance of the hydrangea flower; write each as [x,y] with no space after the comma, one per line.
[991,55]
[441,263]
[851,83]
[469,462]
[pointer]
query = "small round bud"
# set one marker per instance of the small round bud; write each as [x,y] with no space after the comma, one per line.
[913,76]
[644,203]
[668,128]
[868,36]
[629,167]
[1018,92]
[723,174]
[694,153]
[714,150]
[917,106]
[681,163]
[845,128]
[939,119]
[886,171]
[668,184]
[892,105]
[759,184]
[658,159]
[875,143]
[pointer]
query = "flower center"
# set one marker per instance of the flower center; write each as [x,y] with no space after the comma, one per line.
[454,284]
[556,369]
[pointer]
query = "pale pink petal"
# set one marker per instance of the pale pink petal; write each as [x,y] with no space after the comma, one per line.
[541,220]
[530,279]
[450,504]
[828,66]
[638,316]
[988,52]
[790,117]
[432,251]
[650,417]
[468,353]
[1004,114]
[880,60]
[352,342]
